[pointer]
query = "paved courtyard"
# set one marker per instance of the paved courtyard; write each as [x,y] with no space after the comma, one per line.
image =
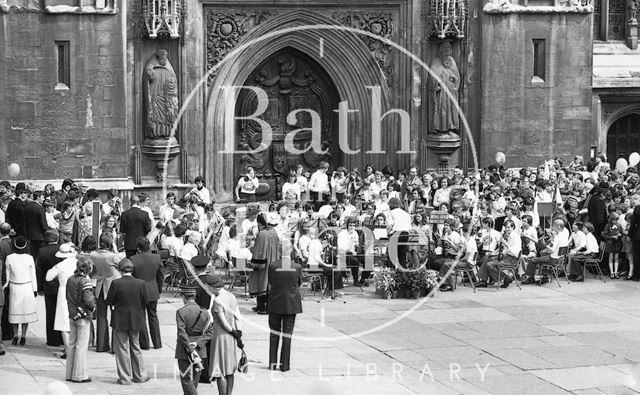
[582,338]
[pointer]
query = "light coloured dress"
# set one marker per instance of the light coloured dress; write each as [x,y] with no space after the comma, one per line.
[62,271]
[21,274]
[223,357]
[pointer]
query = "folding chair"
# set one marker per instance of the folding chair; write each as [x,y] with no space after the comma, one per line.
[595,263]
[510,269]
[562,257]
[239,274]
[172,271]
[461,271]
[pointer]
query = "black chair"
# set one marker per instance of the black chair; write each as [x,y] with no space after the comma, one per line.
[555,267]
[594,263]
[509,269]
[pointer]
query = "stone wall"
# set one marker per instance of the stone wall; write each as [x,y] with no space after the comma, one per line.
[528,119]
[52,133]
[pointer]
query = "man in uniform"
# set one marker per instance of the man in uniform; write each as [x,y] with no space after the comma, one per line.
[194,332]
[202,298]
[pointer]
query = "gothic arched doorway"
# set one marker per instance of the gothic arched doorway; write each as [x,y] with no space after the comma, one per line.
[623,137]
[291,81]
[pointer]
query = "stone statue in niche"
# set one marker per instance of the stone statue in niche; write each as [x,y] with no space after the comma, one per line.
[443,116]
[160,97]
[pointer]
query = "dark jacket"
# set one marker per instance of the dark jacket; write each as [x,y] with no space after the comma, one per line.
[15,216]
[284,297]
[134,223]
[634,224]
[191,320]
[597,213]
[148,267]
[127,295]
[80,294]
[46,260]
[35,221]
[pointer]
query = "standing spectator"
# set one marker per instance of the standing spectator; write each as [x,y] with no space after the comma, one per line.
[62,195]
[51,215]
[81,304]
[113,205]
[302,181]
[35,222]
[319,185]
[227,337]
[194,333]
[68,221]
[128,297]
[634,235]
[285,302]
[6,332]
[144,206]
[167,210]
[597,209]
[46,261]
[15,211]
[148,267]
[61,272]
[105,263]
[23,288]
[200,191]
[134,223]
[399,221]
[266,250]
[86,214]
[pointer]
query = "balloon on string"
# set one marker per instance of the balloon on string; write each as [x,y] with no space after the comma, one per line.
[13,169]
[621,165]
[634,159]
[500,158]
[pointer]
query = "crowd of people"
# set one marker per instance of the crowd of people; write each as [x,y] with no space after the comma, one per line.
[521,219]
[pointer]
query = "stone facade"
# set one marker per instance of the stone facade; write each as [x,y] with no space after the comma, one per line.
[528,118]
[55,133]
[93,129]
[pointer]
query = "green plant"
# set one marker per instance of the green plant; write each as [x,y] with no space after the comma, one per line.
[385,281]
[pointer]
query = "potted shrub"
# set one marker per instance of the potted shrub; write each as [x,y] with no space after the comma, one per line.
[402,284]
[385,282]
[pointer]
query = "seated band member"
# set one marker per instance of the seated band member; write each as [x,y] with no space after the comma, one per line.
[577,258]
[511,245]
[450,242]
[467,258]
[348,241]
[489,238]
[550,254]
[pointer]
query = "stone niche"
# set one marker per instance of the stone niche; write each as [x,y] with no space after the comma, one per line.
[107,7]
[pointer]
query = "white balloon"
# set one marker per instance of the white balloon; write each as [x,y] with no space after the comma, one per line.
[621,165]
[500,158]
[14,170]
[57,388]
[634,159]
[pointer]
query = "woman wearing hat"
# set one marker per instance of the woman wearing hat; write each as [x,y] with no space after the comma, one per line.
[62,271]
[23,288]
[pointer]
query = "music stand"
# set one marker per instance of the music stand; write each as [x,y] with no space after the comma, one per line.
[437,217]
[334,294]
[545,210]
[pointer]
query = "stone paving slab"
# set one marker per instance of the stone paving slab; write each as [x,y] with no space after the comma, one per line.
[580,339]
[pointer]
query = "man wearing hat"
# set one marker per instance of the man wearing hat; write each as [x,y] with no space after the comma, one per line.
[128,296]
[46,260]
[15,210]
[194,333]
[266,251]
[6,333]
[597,209]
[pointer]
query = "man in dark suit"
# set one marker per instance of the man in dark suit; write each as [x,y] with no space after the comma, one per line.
[148,267]
[597,209]
[134,223]
[128,296]
[634,235]
[15,210]
[35,223]
[284,303]
[46,260]
[194,333]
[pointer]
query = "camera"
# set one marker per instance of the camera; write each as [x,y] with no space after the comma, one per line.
[80,314]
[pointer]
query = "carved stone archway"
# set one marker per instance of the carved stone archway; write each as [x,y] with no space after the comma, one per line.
[346,60]
[622,132]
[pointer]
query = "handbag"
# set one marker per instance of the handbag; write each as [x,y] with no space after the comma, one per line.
[243,364]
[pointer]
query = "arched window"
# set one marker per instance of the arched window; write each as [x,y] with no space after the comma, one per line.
[623,137]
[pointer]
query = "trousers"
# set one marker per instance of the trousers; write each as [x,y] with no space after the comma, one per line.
[281,325]
[129,361]
[102,324]
[54,338]
[189,378]
[154,327]
[77,349]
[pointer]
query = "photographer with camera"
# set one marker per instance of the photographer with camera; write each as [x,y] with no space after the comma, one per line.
[82,302]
